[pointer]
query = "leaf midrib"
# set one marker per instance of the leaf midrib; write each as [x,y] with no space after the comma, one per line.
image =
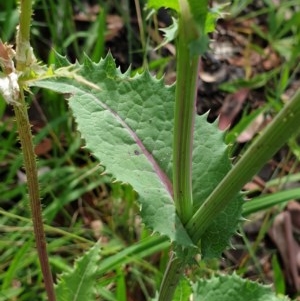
[155,166]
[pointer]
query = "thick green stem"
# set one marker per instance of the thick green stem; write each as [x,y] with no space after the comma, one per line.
[186,84]
[185,110]
[24,57]
[277,133]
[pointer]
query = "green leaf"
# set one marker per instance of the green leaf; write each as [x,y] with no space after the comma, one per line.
[206,20]
[255,82]
[270,200]
[78,284]
[183,290]
[182,293]
[11,293]
[213,14]
[157,4]
[11,272]
[210,164]
[279,277]
[170,33]
[127,123]
[228,288]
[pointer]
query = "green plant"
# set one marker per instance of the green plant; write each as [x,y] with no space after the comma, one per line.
[175,161]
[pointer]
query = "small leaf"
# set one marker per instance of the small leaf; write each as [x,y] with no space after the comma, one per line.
[78,284]
[206,20]
[228,288]
[215,13]
[170,33]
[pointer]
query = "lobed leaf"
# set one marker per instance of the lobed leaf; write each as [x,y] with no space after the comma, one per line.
[127,123]
[78,284]
[169,33]
[233,287]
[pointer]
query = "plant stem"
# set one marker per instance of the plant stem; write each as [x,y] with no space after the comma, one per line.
[24,57]
[277,133]
[186,87]
[185,110]
[23,49]
[172,276]
[33,190]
